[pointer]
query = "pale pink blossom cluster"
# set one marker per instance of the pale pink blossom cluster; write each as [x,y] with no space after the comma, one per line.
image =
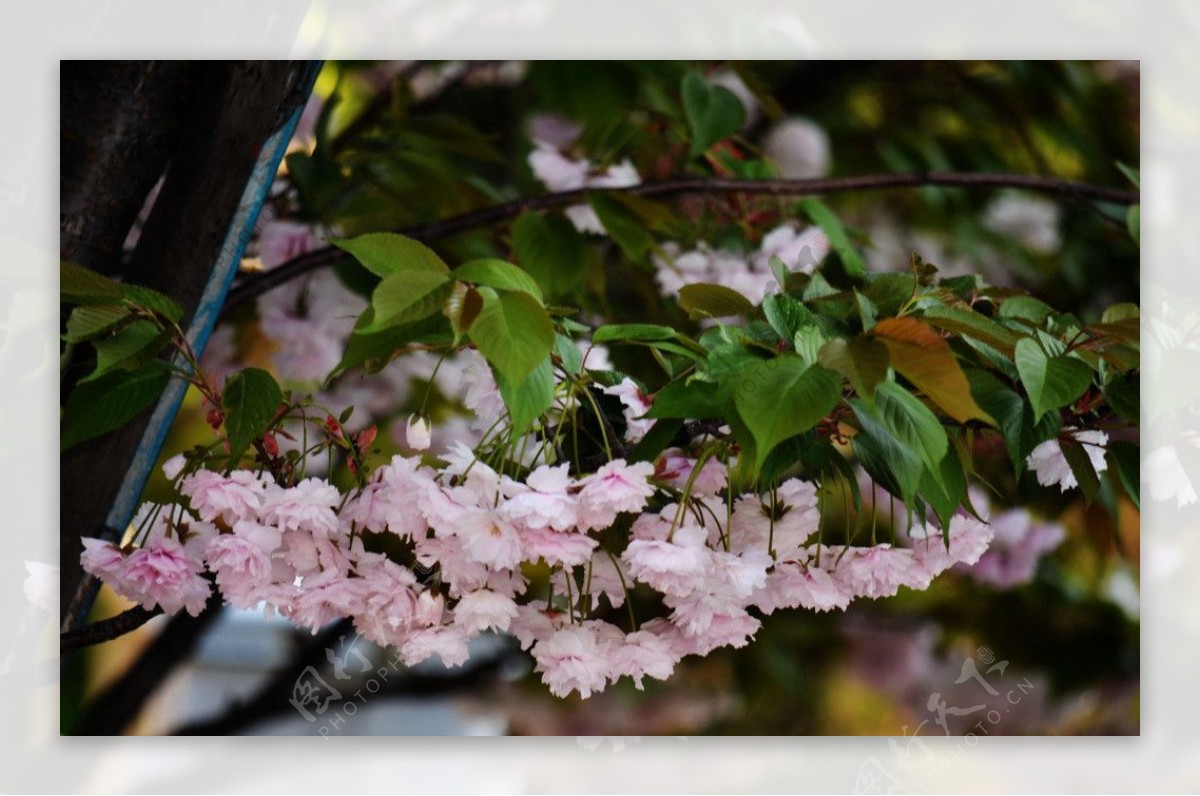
[560,173]
[474,537]
[1051,466]
[749,273]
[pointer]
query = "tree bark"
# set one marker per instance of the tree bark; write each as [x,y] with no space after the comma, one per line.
[217,132]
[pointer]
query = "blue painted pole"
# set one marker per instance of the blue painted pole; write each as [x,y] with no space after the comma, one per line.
[205,317]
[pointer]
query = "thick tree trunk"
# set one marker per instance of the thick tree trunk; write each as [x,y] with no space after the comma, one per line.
[120,123]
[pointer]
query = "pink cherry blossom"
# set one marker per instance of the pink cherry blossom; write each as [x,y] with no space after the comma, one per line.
[454,566]
[40,586]
[799,148]
[543,500]
[484,610]
[389,608]
[676,468]
[673,567]
[239,496]
[1050,465]
[102,559]
[324,599]
[616,487]
[643,654]
[280,241]
[791,585]
[567,548]
[481,396]
[572,659]
[242,569]
[732,629]
[308,505]
[607,579]
[877,571]
[636,404]
[1018,545]
[162,574]
[174,466]
[532,624]
[448,643]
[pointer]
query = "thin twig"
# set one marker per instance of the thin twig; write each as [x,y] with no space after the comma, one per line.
[436,230]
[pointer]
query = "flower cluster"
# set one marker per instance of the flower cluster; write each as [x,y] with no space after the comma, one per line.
[1050,465]
[560,173]
[472,536]
[750,274]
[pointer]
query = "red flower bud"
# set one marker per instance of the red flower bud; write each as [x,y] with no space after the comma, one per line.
[334,427]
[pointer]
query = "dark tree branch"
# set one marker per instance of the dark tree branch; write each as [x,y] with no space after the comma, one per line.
[470,677]
[274,695]
[436,230]
[111,712]
[105,629]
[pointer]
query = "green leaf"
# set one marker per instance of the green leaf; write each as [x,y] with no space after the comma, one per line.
[387,253]
[786,315]
[887,459]
[406,297]
[641,332]
[375,349]
[1081,466]
[713,113]
[713,301]
[568,353]
[498,274]
[863,361]
[1123,394]
[972,324]
[686,401]
[808,342]
[250,401]
[945,488]
[132,347]
[551,250]
[1125,459]
[780,271]
[782,397]
[622,225]
[1014,416]
[513,332]
[867,312]
[1026,308]
[1052,382]
[1132,174]
[528,398]
[912,422]
[1133,219]
[153,300]
[1121,312]
[889,291]
[91,320]
[925,359]
[656,440]
[79,285]
[839,241]
[110,402]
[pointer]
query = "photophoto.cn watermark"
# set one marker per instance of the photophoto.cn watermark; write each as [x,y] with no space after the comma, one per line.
[328,701]
[980,708]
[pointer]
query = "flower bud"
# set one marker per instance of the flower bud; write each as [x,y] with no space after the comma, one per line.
[417,434]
